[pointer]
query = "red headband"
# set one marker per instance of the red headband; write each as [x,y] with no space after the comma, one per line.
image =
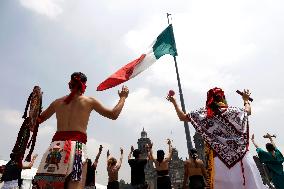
[78,85]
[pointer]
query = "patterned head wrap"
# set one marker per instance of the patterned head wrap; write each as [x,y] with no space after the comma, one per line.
[77,83]
[215,100]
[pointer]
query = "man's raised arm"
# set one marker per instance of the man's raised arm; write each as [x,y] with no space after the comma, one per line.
[245,96]
[130,153]
[119,162]
[111,113]
[46,114]
[252,140]
[170,150]
[181,115]
[98,156]
[271,140]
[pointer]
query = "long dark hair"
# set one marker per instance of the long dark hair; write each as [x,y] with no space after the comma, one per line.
[160,155]
[193,153]
[270,147]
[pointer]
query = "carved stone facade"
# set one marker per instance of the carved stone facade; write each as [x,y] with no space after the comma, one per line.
[150,173]
[176,166]
[199,146]
[176,170]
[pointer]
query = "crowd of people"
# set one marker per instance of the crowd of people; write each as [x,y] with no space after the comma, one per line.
[224,129]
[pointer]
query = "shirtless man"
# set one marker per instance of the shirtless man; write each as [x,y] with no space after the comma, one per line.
[194,172]
[113,167]
[72,114]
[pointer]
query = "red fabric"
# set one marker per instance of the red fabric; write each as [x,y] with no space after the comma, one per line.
[212,95]
[120,76]
[47,184]
[243,172]
[78,86]
[67,148]
[70,135]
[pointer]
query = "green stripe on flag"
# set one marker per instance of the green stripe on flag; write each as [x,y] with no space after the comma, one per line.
[165,43]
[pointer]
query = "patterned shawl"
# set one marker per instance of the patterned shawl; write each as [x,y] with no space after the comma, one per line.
[226,133]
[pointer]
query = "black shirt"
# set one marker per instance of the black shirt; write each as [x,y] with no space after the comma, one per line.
[137,171]
[12,171]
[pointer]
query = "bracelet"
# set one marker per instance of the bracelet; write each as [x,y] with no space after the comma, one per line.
[246,103]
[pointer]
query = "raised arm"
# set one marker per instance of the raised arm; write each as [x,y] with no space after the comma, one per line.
[150,152]
[271,140]
[108,155]
[46,114]
[246,95]
[30,165]
[170,150]
[181,115]
[252,140]
[119,162]
[130,153]
[111,113]
[98,156]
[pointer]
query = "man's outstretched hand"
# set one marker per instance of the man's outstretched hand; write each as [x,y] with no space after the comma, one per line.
[246,95]
[124,92]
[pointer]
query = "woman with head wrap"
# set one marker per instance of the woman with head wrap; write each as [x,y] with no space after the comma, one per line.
[273,159]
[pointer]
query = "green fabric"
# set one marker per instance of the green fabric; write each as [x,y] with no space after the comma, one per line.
[274,165]
[165,43]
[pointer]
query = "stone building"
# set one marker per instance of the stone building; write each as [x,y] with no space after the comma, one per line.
[150,173]
[176,166]
[176,170]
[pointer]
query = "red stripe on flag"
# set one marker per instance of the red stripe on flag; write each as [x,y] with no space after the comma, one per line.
[120,76]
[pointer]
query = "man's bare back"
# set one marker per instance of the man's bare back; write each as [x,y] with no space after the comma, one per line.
[195,167]
[72,114]
[75,115]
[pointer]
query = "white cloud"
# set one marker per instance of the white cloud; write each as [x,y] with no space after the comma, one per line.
[46,130]
[93,147]
[11,118]
[268,105]
[145,108]
[210,43]
[49,8]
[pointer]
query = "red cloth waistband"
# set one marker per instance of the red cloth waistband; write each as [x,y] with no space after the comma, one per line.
[70,135]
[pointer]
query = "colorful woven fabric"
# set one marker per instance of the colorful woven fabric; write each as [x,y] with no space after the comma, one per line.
[209,153]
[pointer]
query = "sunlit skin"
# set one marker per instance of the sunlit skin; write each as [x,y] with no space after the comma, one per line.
[75,116]
[113,169]
[193,167]
[164,165]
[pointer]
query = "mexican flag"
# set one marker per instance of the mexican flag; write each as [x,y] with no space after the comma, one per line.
[163,44]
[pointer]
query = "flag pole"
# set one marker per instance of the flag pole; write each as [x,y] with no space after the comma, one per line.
[186,127]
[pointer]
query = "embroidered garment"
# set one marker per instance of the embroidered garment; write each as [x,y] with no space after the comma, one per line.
[274,165]
[63,158]
[227,134]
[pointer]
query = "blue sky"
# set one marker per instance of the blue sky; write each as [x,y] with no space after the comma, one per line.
[229,44]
